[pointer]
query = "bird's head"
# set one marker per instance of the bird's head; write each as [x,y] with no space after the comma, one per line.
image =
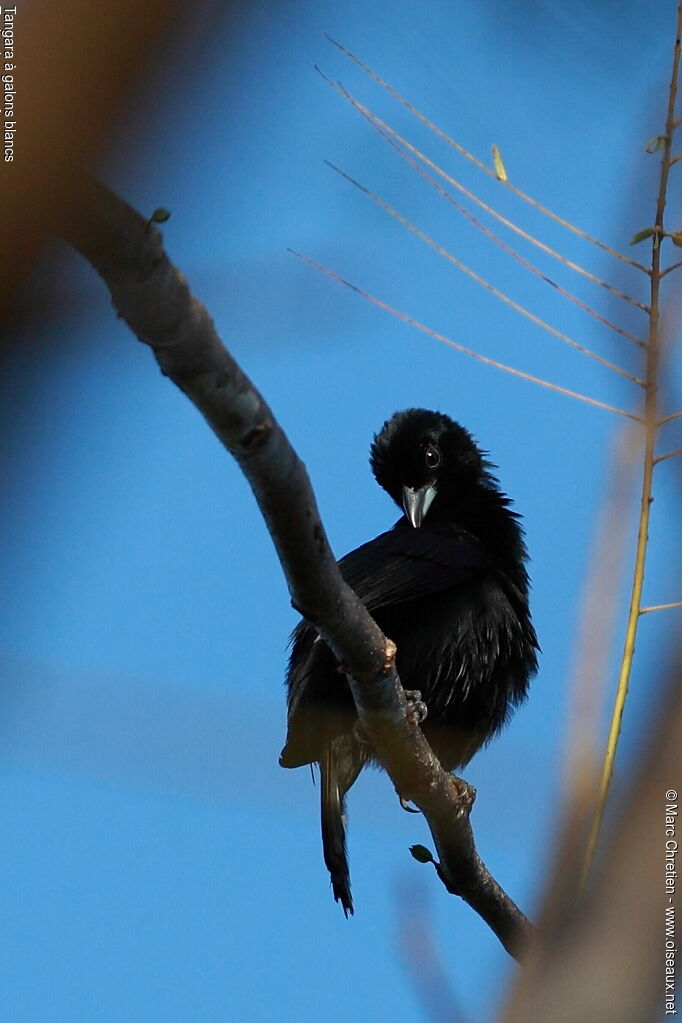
[421,457]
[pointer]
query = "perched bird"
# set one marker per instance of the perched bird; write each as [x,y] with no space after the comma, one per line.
[448,585]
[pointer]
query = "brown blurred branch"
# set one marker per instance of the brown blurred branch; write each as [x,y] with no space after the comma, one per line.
[602,956]
[75,64]
[155,301]
[651,423]
[422,959]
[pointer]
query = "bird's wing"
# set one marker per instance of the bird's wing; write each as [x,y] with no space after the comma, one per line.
[405,564]
[401,565]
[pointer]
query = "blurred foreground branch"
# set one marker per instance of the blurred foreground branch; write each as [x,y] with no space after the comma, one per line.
[77,63]
[155,301]
[603,956]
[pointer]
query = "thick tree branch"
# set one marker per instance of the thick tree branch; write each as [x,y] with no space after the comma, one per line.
[155,301]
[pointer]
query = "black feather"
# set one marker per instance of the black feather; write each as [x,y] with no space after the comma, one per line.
[452,594]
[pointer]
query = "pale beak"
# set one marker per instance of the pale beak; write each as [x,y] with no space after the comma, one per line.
[417,502]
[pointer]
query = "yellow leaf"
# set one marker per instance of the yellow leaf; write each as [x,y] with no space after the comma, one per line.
[498,164]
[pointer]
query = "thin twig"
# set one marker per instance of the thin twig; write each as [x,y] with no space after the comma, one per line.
[495,238]
[651,422]
[484,283]
[606,559]
[659,607]
[482,166]
[388,132]
[669,418]
[668,454]
[400,145]
[461,348]
[669,269]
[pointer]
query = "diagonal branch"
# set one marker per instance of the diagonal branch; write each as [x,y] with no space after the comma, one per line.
[557,388]
[482,166]
[659,607]
[669,269]
[666,455]
[501,295]
[403,147]
[155,301]
[496,240]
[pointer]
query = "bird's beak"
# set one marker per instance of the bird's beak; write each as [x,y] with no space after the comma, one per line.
[417,502]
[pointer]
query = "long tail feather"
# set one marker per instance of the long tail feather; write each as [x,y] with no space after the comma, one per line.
[334,829]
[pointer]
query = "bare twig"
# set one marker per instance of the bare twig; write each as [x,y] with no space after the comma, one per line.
[496,240]
[401,145]
[484,167]
[669,418]
[598,620]
[660,607]
[154,300]
[668,454]
[516,306]
[462,348]
[651,424]
[669,269]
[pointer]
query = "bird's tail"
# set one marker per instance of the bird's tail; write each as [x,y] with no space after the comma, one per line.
[333,805]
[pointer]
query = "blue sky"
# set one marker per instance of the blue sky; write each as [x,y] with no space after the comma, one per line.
[159,864]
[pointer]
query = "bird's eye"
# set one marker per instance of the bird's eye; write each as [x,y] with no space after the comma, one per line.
[432,457]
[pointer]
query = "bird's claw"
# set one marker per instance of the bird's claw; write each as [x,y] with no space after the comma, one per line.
[416,706]
[405,803]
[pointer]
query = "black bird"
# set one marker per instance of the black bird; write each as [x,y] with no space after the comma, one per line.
[448,585]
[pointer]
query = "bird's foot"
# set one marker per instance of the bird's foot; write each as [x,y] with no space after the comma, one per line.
[415,705]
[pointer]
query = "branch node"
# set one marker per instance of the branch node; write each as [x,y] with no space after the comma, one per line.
[257,437]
